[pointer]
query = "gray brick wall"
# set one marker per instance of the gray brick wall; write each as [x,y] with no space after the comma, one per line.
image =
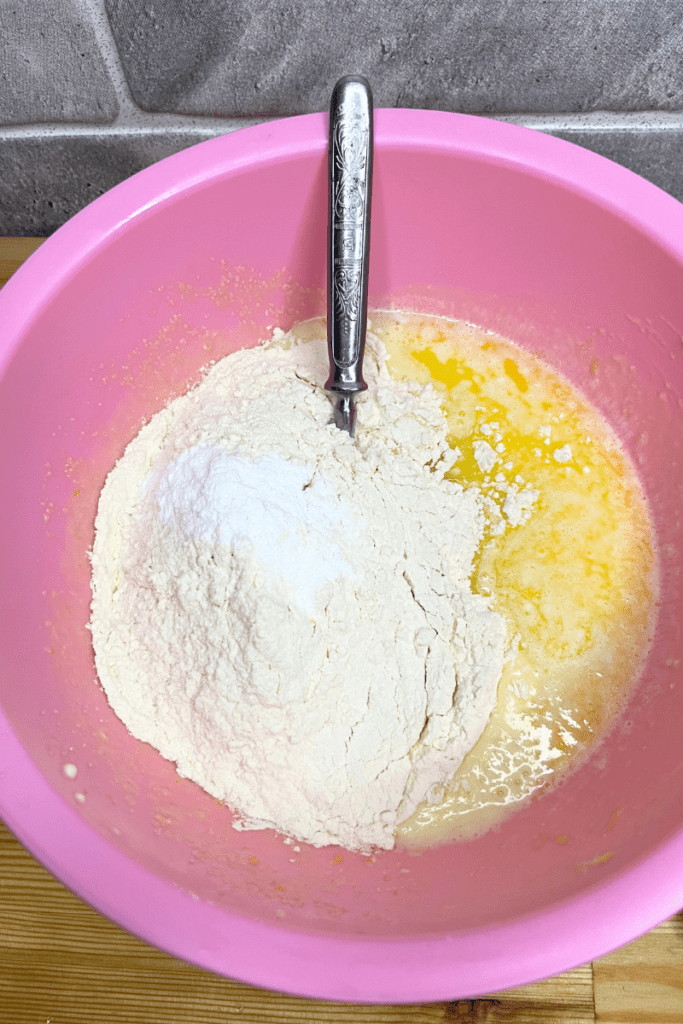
[93,90]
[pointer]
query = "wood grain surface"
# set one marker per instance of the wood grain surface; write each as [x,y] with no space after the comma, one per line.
[13,252]
[62,963]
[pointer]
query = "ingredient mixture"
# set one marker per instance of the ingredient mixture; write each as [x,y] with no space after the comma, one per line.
[288,615]
[316,630]
[576,583]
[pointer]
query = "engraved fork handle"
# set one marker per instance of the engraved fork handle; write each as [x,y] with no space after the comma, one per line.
[350,189]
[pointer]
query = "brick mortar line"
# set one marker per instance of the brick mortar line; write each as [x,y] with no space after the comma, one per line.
[634,121]
[150,125]
[161,124]
[95,12]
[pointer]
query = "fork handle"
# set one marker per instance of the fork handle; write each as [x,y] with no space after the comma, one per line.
[350,188]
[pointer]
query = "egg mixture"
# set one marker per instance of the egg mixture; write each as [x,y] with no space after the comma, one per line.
[576,582]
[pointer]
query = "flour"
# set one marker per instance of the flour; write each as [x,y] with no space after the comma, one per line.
[268,503]
[286,613]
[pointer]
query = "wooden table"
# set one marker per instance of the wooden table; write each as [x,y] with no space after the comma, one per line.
[61,963]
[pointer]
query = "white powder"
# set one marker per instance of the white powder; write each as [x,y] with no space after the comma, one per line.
[287,614]
[269,503]
[484,456]
[563,454]
[518,504]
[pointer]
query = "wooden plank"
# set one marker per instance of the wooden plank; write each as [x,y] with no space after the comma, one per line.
[61,961]
[566,998]
[13,252]
[643,982]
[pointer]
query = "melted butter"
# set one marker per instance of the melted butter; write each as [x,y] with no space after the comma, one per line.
[575,583]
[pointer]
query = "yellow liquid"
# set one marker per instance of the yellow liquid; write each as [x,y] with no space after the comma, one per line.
[576,582]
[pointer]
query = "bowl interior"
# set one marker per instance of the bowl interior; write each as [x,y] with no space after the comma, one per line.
[155,288]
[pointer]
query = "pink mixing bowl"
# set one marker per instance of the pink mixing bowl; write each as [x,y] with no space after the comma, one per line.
[571,255]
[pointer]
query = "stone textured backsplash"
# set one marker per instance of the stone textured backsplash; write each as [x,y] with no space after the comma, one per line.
[92,91]
[474,56]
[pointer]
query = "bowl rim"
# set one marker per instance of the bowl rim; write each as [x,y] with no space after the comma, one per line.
[425,968]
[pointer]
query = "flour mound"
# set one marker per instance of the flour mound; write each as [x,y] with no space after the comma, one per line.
[286,613]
